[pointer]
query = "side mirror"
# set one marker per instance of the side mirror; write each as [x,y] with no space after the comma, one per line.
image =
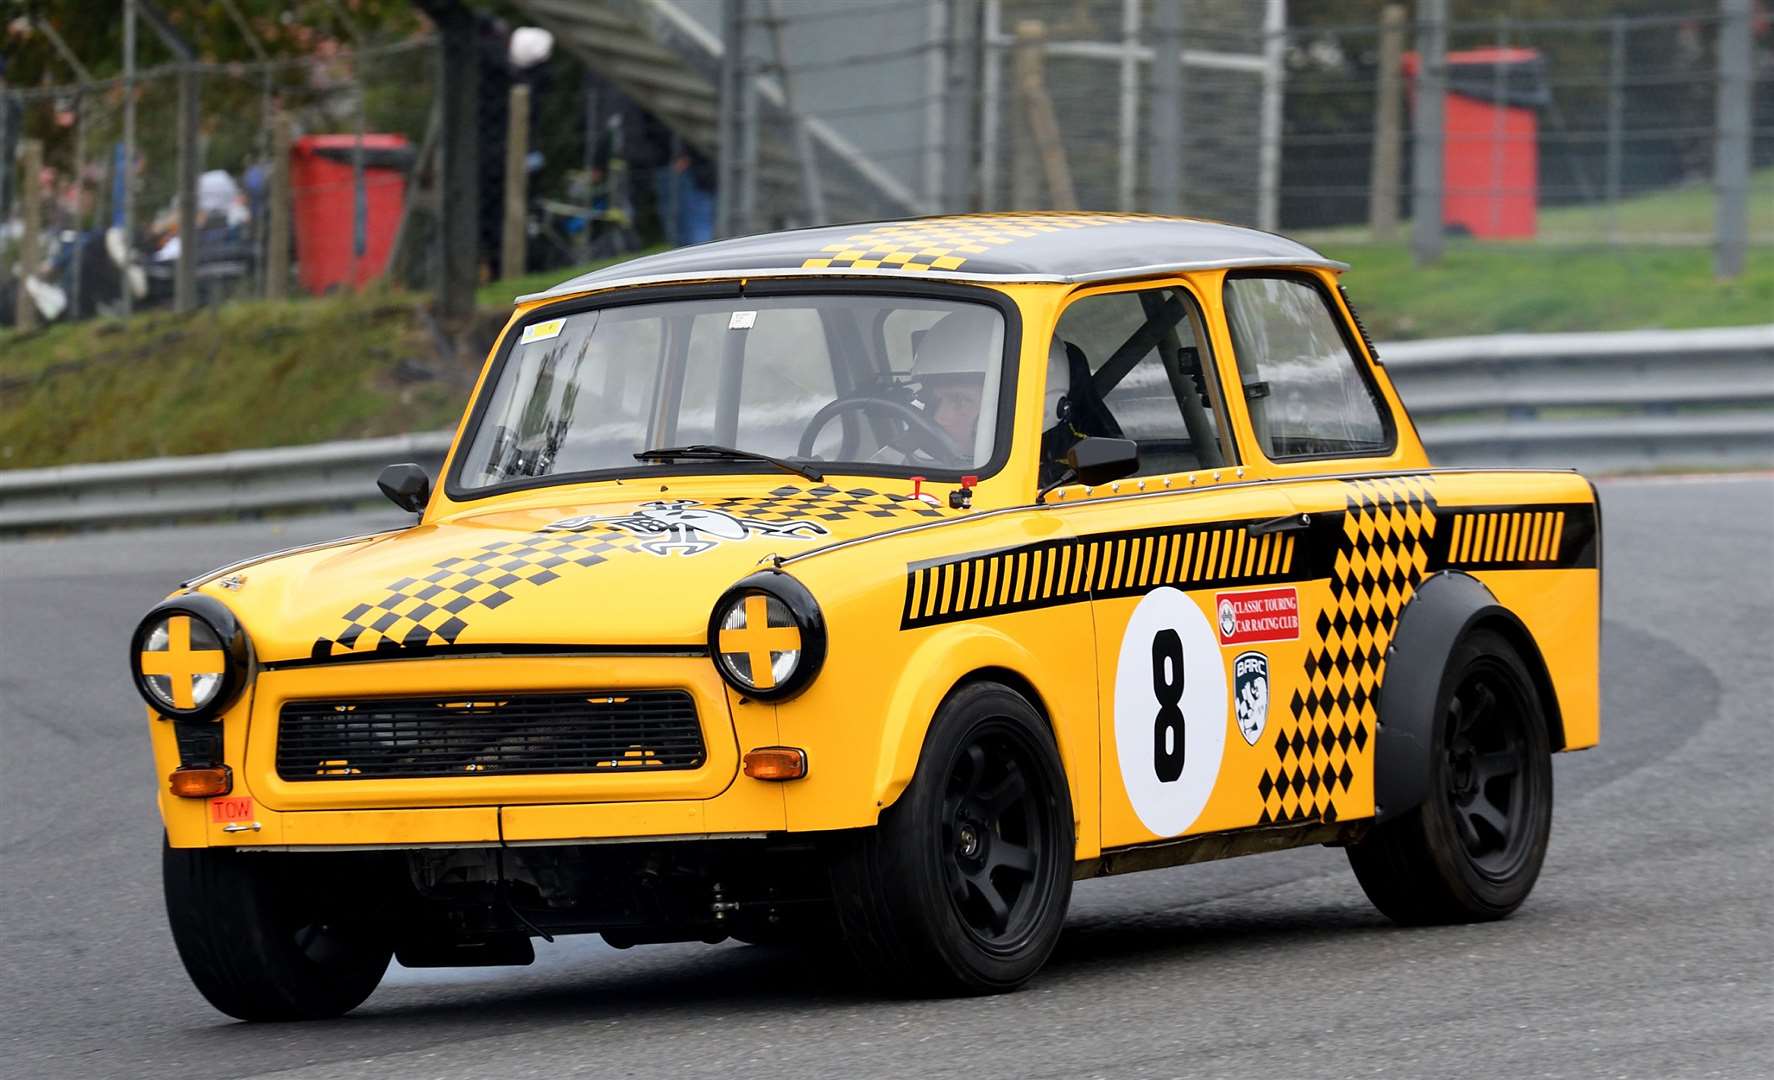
[1096,460]
[406,486]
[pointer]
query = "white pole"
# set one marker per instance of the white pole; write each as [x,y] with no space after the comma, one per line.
[1269,152]
[1130,99]
[129,150]
[991,89]
[935,76]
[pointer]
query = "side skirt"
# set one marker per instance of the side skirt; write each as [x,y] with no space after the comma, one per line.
[1218,845]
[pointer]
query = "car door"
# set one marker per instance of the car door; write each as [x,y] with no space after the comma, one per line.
[1187,568]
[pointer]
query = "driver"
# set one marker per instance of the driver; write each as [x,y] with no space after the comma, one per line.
[949,377]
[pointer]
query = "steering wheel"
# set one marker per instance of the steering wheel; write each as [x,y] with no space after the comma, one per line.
[926,436]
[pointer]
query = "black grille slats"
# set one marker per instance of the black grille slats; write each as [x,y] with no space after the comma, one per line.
[488,734]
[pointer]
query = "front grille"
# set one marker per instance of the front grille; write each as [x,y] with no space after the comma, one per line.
[497,734]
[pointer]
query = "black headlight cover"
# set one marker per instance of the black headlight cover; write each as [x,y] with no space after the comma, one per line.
[236,649]
[802,609]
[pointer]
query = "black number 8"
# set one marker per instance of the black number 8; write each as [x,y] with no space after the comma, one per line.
[1167,687]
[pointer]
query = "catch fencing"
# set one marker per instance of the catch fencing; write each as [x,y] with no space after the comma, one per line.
[1602,403]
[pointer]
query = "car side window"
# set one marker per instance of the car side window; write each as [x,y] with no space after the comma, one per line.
[1306,391]
[1132,365]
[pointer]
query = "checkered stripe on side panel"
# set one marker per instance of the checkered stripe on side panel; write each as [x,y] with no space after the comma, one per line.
[825,503]
[435,608]
[945,243]
[1325,736]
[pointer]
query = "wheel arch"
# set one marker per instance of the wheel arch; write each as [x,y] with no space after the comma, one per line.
[1444,610]
[943,666]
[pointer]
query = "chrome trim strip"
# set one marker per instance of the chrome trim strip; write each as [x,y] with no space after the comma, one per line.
[1097,500]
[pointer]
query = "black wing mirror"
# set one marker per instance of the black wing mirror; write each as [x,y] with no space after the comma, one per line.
[1095,460]
[1098,460]
[406,486]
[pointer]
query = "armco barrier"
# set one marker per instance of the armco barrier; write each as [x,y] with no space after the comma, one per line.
[1613,402]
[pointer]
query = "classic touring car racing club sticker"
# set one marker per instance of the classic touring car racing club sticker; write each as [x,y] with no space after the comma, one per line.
[1259,615]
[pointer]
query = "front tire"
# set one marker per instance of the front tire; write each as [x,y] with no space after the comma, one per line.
[258,941]
[963,885]
[1472,850]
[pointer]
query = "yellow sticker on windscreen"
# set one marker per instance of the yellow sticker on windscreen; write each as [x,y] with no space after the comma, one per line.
[542,331]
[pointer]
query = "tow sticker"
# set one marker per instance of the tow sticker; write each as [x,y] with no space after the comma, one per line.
[231,808]
[1170,710]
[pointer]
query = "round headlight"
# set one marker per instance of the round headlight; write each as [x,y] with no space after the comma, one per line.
[189,657]
[767,636]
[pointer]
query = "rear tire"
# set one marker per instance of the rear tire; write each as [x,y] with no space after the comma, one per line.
[963,885]
[1472,850]
[256,939]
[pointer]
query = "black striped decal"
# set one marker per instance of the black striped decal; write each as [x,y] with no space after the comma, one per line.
[1222,554]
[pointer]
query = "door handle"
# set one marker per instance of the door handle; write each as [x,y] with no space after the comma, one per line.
[1284,523]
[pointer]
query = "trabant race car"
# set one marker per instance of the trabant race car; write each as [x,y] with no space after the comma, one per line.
[872,584]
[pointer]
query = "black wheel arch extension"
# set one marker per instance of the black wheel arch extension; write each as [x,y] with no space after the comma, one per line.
[1444,609]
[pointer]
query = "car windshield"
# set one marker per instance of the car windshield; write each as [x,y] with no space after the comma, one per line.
[862,383]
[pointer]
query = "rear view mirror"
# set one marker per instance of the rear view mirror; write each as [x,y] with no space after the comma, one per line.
[1098,460]
[406,486]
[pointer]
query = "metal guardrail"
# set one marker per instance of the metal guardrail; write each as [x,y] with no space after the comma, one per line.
[1613,402]
[1602,402]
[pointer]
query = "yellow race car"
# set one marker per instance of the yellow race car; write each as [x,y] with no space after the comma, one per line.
[872,584]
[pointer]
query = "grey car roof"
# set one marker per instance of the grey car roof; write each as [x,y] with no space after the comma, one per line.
[1002,247]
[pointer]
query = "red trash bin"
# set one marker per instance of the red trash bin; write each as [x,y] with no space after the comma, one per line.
[325,206]
[1491,140]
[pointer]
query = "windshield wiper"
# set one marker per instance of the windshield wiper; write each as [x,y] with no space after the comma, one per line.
[705,452]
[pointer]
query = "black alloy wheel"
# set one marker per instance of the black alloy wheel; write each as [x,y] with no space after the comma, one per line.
[992,838]
[1474,847]
[963,885]
[1483,776]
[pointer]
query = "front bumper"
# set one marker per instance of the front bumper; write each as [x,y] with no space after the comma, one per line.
[714,799]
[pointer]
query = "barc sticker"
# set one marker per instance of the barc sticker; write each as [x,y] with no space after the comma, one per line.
[1259,615]
[1250,694]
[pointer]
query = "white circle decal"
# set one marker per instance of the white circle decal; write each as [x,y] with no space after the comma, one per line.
[1170,710]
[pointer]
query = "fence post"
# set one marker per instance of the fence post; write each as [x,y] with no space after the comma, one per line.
[749,157]
[1269,147]
[277,211]
[1731,149]
[127,183]
[1616,119]
[727,118]
[517,152]
[935,77]
[1127,128]
[1164,166]
[459,211]
[1427,240]
[30,248]
[1382,194]
[991,104]
[185,274]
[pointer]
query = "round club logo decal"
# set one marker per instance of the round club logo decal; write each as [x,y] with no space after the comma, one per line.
[1170,710]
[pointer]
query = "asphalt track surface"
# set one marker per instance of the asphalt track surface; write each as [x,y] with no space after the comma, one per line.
[1646,951]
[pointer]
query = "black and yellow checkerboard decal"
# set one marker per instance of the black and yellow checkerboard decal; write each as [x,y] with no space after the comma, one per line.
[416,612]
[1325,736]
[824,503]
[945,243]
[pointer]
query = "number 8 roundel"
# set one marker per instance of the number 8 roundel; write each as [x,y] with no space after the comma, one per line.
[1170,710]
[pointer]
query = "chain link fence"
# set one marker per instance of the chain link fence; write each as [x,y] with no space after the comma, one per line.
[1608,129]
[675,121]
